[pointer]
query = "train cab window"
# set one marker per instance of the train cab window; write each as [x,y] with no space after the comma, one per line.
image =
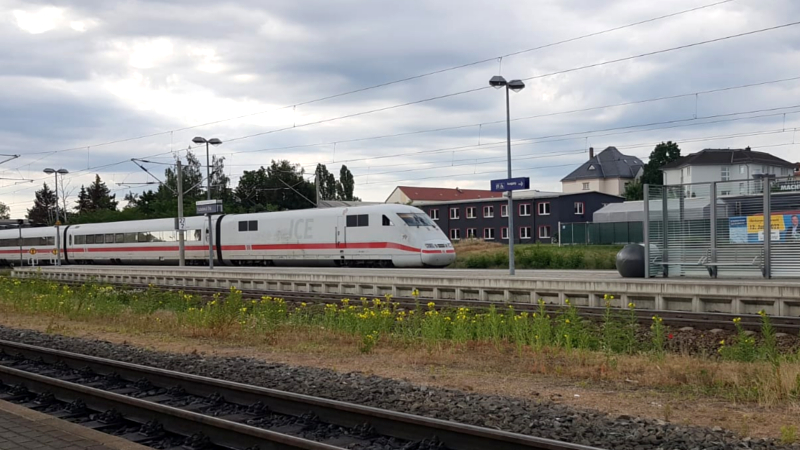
[119,238]
[361,220]
[109,239]
[89,239]
[248,225]
[416,220]
[387,222]
[198,235]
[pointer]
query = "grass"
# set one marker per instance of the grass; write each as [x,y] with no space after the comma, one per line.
[478,254]
[562,345]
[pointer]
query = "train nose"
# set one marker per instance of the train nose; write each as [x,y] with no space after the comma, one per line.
[438,253]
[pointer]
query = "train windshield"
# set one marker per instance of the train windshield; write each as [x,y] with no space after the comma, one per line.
[416,220]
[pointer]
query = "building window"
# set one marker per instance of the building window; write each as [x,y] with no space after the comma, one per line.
[742,189]
[503,210]
[488,233]
[585,186]
[725,173]
[455,234]
[454,213]
[504,233]
[525,209]
[579,208]
[525,232]
[434,213]
[742,169]
[784,171]
[488,212]
[471,212]
[544,232]
[544,209]
[472,233]
[727,192]
[689,171]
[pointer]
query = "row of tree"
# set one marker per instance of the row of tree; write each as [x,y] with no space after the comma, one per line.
[662,154]
[278,187]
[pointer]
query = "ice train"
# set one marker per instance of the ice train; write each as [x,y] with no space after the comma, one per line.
[371,236]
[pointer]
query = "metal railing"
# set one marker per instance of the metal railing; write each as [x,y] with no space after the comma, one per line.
[610,233]
[718,228]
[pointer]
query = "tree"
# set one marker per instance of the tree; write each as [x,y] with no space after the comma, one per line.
[44,206]
[281,186]
[5,212]
[327,183]
[99,196]
[663,153]
[84,203]
[346,185]
[634,190]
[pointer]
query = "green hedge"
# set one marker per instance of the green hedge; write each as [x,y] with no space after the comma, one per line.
[542,257]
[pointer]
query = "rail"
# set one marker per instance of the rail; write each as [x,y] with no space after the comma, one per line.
[455,436]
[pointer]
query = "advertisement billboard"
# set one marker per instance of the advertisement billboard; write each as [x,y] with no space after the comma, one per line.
[784,227]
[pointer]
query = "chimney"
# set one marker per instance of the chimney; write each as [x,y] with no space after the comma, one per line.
[591,152]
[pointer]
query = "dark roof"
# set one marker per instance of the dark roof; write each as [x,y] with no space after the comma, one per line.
[445,194]
[721,156]
[609,163]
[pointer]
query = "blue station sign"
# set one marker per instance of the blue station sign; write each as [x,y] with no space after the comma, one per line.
[511,184]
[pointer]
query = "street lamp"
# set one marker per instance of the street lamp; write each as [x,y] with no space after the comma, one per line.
[498,82]
[213,141]
[58,223]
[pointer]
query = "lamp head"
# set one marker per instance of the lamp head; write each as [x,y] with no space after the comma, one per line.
[62,171]
[497,82]
[516,85]
[49,171]
[199,140]
[214,141]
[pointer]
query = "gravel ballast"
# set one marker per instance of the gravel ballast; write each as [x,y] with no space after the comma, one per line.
[543,419]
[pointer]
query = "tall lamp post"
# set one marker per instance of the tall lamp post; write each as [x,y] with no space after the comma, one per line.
[212,141]
[58,221]
[498,82]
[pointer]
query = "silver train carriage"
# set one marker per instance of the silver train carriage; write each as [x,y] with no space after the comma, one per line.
[372,236]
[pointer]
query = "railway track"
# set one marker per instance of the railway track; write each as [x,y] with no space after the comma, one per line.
[703,321]
[151,405]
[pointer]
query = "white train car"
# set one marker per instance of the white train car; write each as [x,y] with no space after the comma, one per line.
[375,236]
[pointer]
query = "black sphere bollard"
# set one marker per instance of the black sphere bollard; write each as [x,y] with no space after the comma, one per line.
[630,261]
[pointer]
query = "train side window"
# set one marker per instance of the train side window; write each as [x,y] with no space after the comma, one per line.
[130,238]
[80,239]
[252,225]
[70,240]
[198,235]
[361,220]
[98,238]
[109,238]
[119,238]
[143,237]
[387,222]
[90,239]
[50,240]
[352,221]
[243,225]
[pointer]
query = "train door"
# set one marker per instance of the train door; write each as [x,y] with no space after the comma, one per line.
[341,232]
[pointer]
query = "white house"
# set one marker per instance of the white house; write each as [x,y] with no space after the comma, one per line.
[731,166]
[608,172]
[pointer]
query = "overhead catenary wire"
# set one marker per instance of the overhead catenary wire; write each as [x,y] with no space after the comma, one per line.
[393,82]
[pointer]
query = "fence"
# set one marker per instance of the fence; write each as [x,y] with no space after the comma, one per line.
[718,229]
[588,233]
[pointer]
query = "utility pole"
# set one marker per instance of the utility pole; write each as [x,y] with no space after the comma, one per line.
[181,235]
[316,184]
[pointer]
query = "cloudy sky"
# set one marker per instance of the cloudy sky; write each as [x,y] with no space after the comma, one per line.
[88,85]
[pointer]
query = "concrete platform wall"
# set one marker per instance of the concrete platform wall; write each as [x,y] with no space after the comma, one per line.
[777,298]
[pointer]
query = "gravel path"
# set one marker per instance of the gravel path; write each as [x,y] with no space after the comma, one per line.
[542,419]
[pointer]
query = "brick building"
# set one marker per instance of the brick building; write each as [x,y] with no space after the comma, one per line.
[536,215]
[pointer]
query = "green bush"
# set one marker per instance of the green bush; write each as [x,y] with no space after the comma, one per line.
[542,256]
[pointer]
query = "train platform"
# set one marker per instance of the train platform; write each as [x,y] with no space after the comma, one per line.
[734,295]
[26,429]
